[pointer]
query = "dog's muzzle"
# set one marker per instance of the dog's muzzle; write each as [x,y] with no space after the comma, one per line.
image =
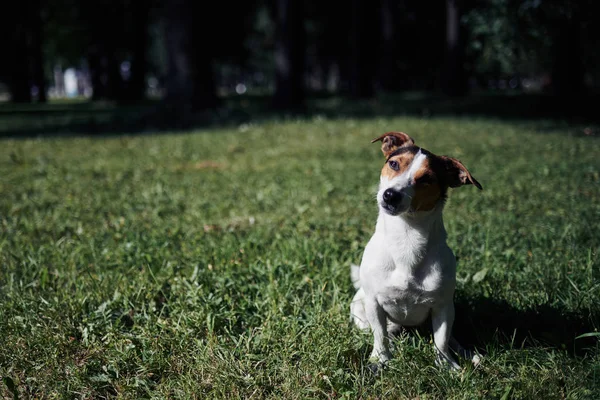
[393,201]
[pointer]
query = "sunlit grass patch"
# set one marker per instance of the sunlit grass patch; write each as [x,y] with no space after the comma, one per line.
[215,263]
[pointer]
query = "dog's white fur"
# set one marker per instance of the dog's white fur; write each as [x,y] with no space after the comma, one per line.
[407,273]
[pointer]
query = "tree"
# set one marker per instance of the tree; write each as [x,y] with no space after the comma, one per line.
[568,71]
[289,55]
[567,68]
[21,34]
[138,13]
[387,69]
[37,52]
[328,43]
[19,76]
[554,38]
[190,76]
[106,31]
[363,39]
[454,80]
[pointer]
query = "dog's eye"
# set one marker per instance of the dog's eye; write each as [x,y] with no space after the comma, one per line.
[394,165]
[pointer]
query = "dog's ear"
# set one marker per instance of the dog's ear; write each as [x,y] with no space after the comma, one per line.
[457,174]
[392,141]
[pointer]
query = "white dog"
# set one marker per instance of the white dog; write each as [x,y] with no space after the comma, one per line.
[408,272]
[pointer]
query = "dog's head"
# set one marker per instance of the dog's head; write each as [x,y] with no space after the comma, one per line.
[414,179]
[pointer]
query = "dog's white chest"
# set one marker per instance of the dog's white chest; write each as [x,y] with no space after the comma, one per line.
[407,297]
[406,273]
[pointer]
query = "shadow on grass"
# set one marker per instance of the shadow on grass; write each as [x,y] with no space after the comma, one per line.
[101,119]
[482,321]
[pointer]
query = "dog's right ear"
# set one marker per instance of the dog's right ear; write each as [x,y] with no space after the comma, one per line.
[393,141]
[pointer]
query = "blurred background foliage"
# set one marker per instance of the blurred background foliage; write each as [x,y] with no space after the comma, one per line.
[187,55]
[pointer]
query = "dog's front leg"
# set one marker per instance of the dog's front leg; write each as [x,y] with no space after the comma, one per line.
[377,320]
[442,319]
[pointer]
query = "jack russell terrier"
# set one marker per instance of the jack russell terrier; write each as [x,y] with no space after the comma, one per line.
[408,272]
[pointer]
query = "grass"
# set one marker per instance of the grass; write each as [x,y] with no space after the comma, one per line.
[215,263]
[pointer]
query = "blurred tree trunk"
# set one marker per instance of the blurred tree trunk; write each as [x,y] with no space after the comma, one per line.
[454,79]
[105,21]
[136,88]
[190,77]
[96,74]
[104,72]
[333,46]
[567,70]
[387,69]
[178,34]
[363,44]
[16,65]
[205,86]
[20,91]
[37,52]
[289,55]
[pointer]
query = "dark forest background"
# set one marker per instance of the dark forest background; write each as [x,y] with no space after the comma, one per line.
[195,55]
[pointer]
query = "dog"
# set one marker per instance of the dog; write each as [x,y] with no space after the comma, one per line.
[408,272]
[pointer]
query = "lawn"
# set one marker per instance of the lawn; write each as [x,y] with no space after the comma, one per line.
[215,263]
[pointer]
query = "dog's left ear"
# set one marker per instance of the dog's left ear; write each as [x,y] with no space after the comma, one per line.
[392,141]
[457,174]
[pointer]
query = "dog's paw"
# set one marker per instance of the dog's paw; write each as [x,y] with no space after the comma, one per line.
[471,356]
[378,362]
[380,357]
[446,362]
[376,368]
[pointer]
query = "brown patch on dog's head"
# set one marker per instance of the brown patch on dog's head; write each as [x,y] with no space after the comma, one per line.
[432,180]
[429,189]
[399,161]
[392,141]
[435,174]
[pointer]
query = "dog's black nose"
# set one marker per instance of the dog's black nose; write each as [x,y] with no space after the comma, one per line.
[392,196]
